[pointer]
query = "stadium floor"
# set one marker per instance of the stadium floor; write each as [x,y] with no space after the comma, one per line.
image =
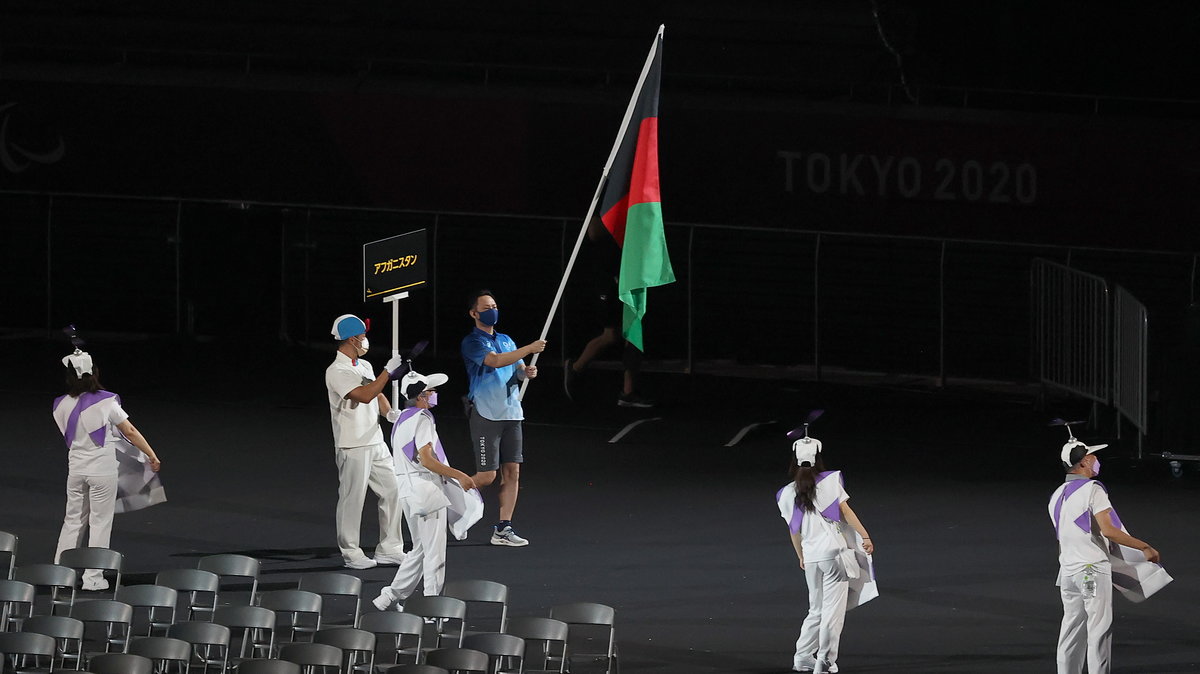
[671,527]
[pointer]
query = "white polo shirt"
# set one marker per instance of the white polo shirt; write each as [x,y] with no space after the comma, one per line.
[1080,542]
[86,456]
[354,424]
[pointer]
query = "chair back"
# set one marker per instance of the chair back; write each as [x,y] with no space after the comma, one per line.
[113,615]
[584,613]
[249,619]
[458,659]
[120,663]
[161,648]
[480,592]
[52,576]
[8,548]
[291,606]
[14,594]
[104,559]
[67,632]
[204,637]
[153,598]
[358,646]
[268,666]
[496,645]
[585,619]
[416,669]
[194,582]
[312,655]
[442,608]
[397,626]
[238,566]
[330,585]
[547,630]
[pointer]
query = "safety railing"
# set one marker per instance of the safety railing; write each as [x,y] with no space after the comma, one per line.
[1130,348]
[1071,330]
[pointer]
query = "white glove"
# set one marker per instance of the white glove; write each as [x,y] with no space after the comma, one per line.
[394,364]
[392,415]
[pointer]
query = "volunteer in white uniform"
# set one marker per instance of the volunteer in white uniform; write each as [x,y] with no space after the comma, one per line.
[819,507]
[420,460]
[1083,519]
[90,419]
[356,402]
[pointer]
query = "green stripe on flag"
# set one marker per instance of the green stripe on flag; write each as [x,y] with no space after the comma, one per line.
[644,264]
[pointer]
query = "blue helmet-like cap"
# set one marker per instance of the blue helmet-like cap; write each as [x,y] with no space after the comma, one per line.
[348,325]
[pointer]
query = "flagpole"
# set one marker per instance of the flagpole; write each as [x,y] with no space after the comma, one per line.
[562,284]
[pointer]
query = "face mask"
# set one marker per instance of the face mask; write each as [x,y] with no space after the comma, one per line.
[1096,467]
[489,317]
[366,344]
[432,399]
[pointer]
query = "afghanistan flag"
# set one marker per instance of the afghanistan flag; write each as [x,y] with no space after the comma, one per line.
[631,207]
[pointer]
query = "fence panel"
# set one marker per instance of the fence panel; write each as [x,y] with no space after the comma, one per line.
[1130,347]
[1071,328]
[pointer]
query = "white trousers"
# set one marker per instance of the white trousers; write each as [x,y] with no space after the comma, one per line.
[822,630]
[1086,633]
[358,468]
[427,559]
[89,516]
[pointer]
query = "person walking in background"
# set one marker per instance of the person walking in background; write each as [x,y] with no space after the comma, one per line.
[495,370]
[90,419]
[356,402]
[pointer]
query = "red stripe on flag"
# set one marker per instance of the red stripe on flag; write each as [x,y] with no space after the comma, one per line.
[643,183]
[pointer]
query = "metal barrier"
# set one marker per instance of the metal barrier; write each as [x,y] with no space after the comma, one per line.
[1070,330]
[1130,349]
[803,303]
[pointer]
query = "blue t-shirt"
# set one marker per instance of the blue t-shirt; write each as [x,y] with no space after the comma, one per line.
[492,389]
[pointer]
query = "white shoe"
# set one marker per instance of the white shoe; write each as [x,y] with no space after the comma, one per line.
[508,537]
[385,599]
[388,560]
[94,585]
[360,564]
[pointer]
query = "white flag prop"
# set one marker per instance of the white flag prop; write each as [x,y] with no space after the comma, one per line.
[138,486]
[465,509]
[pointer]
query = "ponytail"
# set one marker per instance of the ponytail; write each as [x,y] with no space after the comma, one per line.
[805,478]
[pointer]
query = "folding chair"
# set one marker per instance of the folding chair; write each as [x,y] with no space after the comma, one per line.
[195,582]
[251,620]
[416,669]
[13,595]
[397,626]
[355,643]
[268,666]
[310,656]
[117,617]
[205,637]
[56,578]
[458,660]
[67,634]
[152,598]
[104,559]
[546,630]
[120,663]
[291,607]
[499,647]
[589,615]
[480,592]
[235,566]
[23,644]
[334,585]
[442,609]
[164,651]
[8,546]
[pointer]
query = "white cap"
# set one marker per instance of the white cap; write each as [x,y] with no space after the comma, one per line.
[81,361]
[1067,448]
[806,449]
[414,383]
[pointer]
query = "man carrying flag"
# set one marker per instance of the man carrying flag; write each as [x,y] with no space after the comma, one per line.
[630,210]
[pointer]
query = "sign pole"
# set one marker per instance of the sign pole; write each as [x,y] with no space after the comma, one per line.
[395,302]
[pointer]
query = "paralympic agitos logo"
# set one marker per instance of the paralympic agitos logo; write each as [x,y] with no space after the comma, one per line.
[16,157]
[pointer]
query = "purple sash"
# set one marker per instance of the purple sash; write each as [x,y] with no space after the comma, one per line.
[831,512]
[86,400]
[1084,521]
[410,448]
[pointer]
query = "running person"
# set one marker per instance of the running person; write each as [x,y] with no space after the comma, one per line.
[495,370]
